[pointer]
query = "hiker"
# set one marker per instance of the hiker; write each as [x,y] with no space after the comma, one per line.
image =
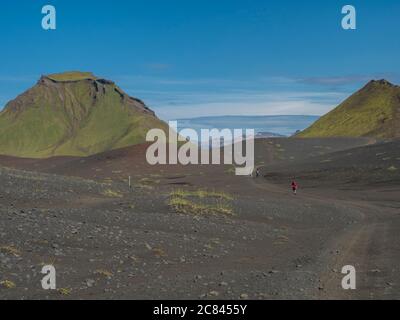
[294,187]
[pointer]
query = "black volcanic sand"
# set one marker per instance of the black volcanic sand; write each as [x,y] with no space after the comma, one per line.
[111,242]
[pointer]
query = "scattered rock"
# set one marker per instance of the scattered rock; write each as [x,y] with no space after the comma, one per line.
[90,283]
[214,293]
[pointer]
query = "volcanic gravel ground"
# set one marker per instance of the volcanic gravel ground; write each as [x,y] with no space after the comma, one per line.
[109,241]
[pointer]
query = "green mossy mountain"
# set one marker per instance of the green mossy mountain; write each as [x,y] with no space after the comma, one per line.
[373,111]
[73,114]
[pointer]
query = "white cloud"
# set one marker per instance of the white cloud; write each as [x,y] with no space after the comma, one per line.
[243,108]
[283,103]
[186,98]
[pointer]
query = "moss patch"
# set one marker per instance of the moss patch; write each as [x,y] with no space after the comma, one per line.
[200,202]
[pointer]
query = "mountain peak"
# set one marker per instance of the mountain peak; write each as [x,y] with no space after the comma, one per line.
[373,111]
[74,114]
[381,82]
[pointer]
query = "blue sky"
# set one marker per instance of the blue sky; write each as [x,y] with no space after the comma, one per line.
[201,57]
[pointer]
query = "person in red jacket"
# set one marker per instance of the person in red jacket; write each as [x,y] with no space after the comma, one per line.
[294,187]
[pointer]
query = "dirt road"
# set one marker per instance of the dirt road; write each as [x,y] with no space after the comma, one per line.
[370,244]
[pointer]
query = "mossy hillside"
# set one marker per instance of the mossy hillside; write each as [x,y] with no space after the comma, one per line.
[76,118]
[373,111]
[72,76]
